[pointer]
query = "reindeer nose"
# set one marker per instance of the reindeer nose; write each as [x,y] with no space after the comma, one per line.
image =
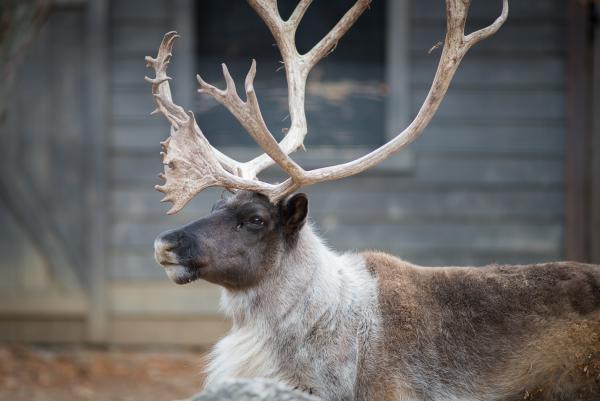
[163,251]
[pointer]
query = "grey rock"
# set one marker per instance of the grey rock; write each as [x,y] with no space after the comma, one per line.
[252,390]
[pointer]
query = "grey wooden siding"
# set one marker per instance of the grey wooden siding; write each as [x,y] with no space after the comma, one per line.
[487,182]
[42,203]
[497,139]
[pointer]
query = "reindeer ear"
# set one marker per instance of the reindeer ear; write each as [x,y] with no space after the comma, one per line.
[294,212]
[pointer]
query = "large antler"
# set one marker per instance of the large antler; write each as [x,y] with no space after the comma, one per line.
[192,164]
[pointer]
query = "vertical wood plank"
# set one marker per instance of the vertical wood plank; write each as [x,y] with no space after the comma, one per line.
[65,129]
[595,174]
[398,104]
[578,113]
[97,196]
[184,64]
[25,182]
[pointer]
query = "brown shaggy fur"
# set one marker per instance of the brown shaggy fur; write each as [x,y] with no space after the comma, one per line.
[498,332]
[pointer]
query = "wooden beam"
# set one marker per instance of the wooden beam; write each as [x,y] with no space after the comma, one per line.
[595,164]
[184,65]
[578,124]
[22,201]
[142,298]
[48,304]
[191,331]
[398,76]
[31,329]
[97,191]
[68,3]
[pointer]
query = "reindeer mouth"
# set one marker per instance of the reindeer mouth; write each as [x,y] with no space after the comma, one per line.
[180,274]
[177,269]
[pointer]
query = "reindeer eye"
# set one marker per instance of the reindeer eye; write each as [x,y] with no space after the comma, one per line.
[257,221]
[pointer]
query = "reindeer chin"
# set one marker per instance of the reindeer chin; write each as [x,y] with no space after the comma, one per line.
[182,274]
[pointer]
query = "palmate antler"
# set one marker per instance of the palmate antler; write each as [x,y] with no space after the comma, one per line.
[192,164]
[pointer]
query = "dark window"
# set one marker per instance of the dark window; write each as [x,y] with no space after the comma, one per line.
[345,93]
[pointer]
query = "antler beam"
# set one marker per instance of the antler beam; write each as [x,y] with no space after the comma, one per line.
[192,164]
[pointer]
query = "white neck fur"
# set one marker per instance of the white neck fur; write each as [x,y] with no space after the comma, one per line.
[313,286]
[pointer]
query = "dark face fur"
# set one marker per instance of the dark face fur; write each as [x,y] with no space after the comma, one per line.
[236,245]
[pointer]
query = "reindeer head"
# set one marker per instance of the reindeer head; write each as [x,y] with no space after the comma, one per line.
[192,164]
[237,244]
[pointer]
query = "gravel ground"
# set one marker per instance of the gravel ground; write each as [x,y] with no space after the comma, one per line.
[49,374]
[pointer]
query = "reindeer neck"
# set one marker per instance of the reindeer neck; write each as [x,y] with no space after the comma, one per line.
[309,277]
[312,293]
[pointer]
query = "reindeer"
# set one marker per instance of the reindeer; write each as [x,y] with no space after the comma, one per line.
[360,326]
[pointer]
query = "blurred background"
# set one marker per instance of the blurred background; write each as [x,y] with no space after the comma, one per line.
[507,172]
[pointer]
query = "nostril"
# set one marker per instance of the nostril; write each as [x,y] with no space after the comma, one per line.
[168,246]
[172,247]
[161,247]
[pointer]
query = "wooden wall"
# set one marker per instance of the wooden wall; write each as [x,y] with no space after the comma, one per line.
[42,189]
[493,158]
[484,183]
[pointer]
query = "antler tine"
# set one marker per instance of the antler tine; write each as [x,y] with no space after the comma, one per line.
[298,13]
[160,86]
[162,91]
[488,31]
[326,45]
[250,117]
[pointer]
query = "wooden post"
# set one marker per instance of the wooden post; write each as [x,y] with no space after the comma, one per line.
[398,105]
[578,135]
[595,165]
[97,127]
[184,65]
